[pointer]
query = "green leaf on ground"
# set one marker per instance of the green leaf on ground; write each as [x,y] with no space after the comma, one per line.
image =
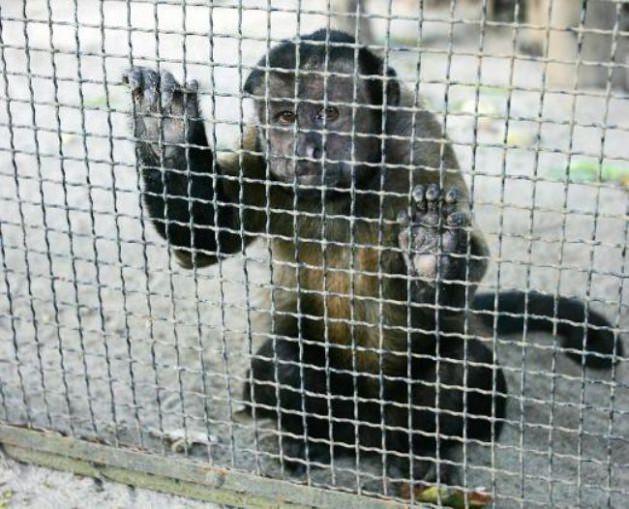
[5,498]
[589,171]
[457,499]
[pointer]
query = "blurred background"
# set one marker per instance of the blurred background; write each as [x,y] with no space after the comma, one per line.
[105,337]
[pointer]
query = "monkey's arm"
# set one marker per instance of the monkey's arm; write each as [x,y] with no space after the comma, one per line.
[203,213]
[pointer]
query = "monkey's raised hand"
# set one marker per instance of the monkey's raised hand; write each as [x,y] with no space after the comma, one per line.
[434,242]
[166,114]
[176,166]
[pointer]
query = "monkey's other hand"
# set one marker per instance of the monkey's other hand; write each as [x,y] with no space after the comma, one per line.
[434,242]
[165,113]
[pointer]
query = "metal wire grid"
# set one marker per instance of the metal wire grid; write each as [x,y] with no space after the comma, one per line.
[108,339]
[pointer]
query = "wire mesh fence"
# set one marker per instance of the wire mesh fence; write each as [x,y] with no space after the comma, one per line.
[214,246]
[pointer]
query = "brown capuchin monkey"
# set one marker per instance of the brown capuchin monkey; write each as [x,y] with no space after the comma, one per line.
[374,253]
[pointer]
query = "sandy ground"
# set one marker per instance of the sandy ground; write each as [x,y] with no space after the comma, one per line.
[106,337]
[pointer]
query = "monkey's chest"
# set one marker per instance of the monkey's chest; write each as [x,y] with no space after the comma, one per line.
[339,289]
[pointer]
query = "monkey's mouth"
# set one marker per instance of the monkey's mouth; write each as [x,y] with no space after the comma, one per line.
[310,178]
[314,174]
[311,175]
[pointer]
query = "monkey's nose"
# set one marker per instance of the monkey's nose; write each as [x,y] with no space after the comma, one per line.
[313,152]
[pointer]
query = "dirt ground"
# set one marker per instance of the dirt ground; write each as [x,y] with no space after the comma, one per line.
[105,336]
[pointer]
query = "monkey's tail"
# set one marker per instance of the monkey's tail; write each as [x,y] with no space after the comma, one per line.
[595,346]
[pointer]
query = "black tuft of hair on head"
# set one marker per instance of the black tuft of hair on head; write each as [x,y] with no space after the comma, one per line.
[339,46]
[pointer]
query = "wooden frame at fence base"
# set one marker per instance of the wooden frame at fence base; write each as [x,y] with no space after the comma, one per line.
[177,476]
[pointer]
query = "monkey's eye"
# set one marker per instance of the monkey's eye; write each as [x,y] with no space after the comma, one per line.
[329,114]
[285,117]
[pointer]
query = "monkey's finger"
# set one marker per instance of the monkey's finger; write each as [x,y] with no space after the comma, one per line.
[451,200]
[192,86]
[453,195]
[144,84]
[168,87]
[134,79]
[433,194]
[403,218]
[189,91]
[459,219]
[418,195]
[433,197]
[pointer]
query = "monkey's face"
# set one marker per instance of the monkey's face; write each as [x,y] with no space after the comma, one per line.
[320,131]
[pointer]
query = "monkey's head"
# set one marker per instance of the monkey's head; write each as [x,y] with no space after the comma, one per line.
[319,105]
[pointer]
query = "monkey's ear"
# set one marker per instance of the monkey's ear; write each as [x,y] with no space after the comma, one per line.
[393,88]
[253,81]
[373,65]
